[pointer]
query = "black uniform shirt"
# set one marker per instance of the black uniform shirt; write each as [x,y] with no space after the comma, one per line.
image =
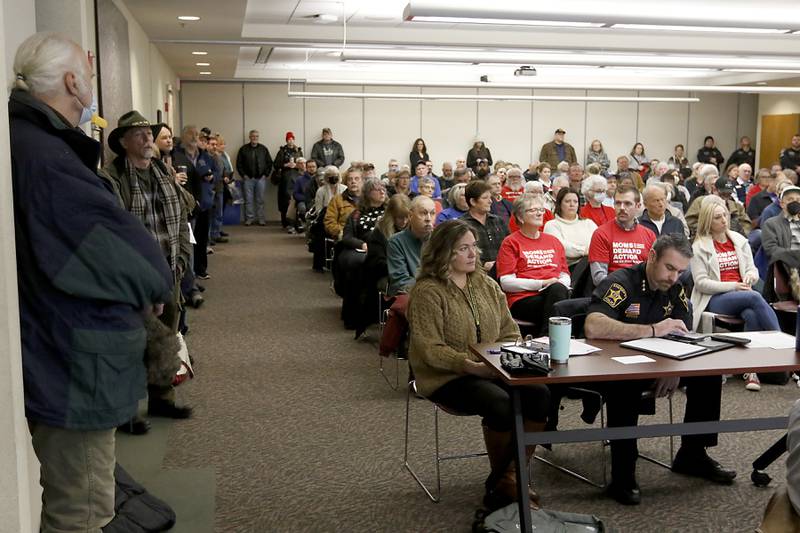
[790,158]
[626,296]
[740,156]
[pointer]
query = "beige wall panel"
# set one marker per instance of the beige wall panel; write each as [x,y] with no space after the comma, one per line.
[715,115]
[216,105]
[662,125]
[344,116]
[549,116]
[748,119]
[448,127]
[269,110]
[613,123]
[390,127]
[506,126]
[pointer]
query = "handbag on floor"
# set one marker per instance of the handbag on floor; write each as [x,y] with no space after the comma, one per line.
[506,520]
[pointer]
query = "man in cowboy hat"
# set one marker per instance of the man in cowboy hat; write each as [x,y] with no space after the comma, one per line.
[146,189]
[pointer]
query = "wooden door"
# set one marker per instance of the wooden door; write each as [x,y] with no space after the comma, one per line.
[776,134]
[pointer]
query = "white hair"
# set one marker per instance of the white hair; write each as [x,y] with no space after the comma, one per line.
[455,192]
[560,181]
[662,166]
[741,167]
[708,171]
[591,181]
[43,59]
[534,187]
[656,185]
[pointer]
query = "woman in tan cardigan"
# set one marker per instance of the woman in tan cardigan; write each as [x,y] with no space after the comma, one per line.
[724,273]
[452,305]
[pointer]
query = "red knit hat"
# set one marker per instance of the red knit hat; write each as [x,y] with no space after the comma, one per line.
[289,135]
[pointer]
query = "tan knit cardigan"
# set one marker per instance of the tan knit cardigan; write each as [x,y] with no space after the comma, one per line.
[442,327]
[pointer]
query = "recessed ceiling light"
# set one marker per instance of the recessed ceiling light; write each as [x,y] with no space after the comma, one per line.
[198,53]
[761,83]
[203,64]
[205,73]
[189,18]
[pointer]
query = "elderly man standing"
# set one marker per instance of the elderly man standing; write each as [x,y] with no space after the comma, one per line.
[88,272]
[148,191]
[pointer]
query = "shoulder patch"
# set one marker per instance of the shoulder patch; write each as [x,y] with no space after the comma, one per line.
[615,295]
[684,300]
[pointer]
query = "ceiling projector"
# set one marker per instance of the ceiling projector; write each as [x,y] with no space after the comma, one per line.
[525,70]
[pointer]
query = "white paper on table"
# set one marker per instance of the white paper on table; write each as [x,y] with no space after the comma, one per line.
[777,340]
[575,347]
[633,359]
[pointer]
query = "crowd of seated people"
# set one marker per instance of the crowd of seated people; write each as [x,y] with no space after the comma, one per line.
[436,251]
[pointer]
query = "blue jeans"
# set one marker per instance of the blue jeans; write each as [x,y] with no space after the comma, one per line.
[750,306]
[254,199]
[216,215]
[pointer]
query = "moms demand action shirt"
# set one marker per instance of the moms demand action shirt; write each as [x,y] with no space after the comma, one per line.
[618,247]
[728,261]
[541,258]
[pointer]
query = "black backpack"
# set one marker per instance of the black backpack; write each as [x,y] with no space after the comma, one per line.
[135,509]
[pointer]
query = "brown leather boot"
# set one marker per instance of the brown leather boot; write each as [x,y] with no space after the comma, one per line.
[498,446]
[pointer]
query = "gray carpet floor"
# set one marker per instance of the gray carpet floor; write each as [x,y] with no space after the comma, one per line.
[295,429]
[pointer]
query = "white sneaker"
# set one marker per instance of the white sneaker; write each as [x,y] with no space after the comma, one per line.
[751,382]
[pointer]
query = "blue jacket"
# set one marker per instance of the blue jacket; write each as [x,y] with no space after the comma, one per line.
[86,269]
[671,224]
[300,185]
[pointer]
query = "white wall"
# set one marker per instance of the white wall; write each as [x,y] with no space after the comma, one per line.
[150,73]
[377,130]
[19,490]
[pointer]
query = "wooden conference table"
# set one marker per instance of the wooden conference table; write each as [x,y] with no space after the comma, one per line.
[600,366]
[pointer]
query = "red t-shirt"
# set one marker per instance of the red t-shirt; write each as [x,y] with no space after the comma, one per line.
[599,215]
[510,195]
[619,248]
[541,258]
[547,217]
[728,261]
[752,191]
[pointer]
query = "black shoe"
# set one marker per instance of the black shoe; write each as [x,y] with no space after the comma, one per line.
[203,275]
[699,464]
[135,426]
[168,409]
[591,406]
[223,234]
[200,288]
[221,239]
[626,495]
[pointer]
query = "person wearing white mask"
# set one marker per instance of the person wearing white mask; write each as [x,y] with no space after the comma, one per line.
[594,190]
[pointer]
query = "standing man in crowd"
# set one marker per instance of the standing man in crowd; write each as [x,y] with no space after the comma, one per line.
[218,209]
[147,191]
[287,169]
[743,154]
[790,156]
[557,150]
[254,164]
[650,300]
[326,151]
[87,273]
[621,242]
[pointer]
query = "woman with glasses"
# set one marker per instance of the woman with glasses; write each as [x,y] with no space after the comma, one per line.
[455,304]
[353,247]
[532,266]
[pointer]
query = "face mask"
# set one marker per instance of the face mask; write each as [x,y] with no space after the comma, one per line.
[600,197]
[793,208]
[87,112]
